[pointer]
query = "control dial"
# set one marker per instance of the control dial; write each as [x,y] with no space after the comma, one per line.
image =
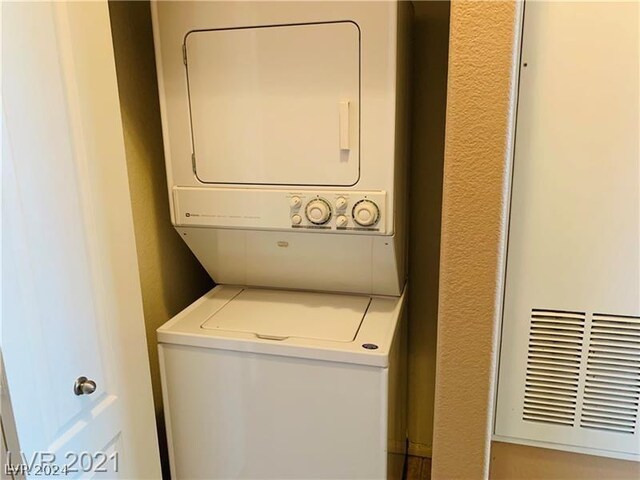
[318,211]
[341,221]
[365,213]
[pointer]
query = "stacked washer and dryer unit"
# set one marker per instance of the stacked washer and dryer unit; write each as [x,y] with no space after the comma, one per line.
[284,131]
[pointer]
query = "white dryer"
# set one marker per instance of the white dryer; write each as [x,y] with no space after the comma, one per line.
[284,129]
[278,384]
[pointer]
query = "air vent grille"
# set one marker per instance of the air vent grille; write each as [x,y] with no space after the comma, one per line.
[612,385]
[553,366]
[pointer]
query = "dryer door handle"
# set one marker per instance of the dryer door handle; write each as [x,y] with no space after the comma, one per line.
[344,125]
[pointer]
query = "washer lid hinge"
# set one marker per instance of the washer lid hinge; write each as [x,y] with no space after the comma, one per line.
[184,53]
[193,162]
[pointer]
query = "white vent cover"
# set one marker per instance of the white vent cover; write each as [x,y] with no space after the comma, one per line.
[553,367]
[612,385]
[580,384]
[594,376]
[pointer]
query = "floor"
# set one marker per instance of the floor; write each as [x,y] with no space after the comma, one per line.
[418,468]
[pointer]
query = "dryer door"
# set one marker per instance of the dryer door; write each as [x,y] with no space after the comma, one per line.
[276,105]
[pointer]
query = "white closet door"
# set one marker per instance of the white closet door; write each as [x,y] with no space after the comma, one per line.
[71,302]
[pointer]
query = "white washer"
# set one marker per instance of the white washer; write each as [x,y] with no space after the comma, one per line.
[262,383]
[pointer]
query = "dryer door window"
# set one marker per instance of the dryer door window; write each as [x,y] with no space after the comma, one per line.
[276,105]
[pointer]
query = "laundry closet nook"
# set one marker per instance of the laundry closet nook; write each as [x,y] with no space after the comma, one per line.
[297,150]
[326,239]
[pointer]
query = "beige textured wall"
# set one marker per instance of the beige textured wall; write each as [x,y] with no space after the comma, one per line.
[477,166]
[519,462]
[429,91]
[170,276]
[477,144]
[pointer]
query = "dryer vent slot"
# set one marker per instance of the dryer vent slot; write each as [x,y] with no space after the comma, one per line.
[612,385]
[553,366]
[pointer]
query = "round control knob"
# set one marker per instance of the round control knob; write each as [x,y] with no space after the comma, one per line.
[296,219]
[341,203]
[341,221]
[295,202]
[365,213]
[318,211]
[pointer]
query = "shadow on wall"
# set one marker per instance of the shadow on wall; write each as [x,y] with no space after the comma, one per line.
[171,278]
[430,58]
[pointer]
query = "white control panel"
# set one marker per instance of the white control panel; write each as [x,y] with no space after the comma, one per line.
[335,211]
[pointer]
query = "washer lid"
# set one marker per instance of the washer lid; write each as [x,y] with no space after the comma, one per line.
[278,315]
